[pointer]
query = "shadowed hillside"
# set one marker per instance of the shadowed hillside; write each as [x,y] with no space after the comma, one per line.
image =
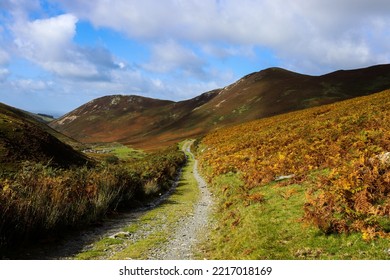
[150,123]
[22,138]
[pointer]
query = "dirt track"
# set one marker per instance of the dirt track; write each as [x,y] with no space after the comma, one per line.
[189,230]
[181,244]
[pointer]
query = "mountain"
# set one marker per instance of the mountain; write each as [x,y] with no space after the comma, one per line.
[23,138]
[126,118]
[149,123]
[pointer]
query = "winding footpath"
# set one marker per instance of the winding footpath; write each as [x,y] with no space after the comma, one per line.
[182,238]
[190,229]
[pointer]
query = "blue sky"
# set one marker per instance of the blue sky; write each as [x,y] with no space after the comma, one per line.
[56,55]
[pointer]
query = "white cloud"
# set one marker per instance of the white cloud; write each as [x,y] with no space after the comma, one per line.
[30,85]
[170,56]
[223,51]
[4,57]
[49,43]
[3,74]
[19,9]
[291,28]
[185,38]
[46,39]
[237,22]
[4,60]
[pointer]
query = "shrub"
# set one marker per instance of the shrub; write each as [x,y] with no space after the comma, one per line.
[41,200]
[350,139]
[112,159]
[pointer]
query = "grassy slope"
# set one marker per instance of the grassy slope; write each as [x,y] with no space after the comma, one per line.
[127,119]
[276,91]
[105,151]
[260,218]
[39,202]
[23,138]
[272,229]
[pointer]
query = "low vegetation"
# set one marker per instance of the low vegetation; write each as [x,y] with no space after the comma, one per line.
[310,184]
[23,138]
[154,227]
[115,152]
[40,200]
[268,225]
[328,171]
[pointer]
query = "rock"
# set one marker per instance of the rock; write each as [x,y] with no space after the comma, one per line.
[384,158]
[121,234]
[284,177]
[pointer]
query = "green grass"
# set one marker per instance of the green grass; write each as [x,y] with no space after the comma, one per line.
[40,200]
[100,249]
[118,150]
[272,228]
[159,222]
[124,152]
[241,109]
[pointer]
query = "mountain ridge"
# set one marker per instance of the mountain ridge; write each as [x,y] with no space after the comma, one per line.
[257,95]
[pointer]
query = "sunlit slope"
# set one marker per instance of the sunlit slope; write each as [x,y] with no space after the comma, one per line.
[150,123]
[339,154]
[127,119]
[276,91]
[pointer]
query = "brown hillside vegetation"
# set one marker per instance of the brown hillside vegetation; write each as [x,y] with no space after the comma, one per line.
[127,119]
[39,201]
[149,123]
[22,138]
[339,152]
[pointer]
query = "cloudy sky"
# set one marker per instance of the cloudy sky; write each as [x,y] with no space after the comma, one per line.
[58,54]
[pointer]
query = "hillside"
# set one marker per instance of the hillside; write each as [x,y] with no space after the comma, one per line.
[119,118]
[317,179]
[42,117]
[23,138]
[149,123]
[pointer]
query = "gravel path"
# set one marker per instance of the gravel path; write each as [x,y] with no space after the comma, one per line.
[181,245]
[189,230]
[80,241]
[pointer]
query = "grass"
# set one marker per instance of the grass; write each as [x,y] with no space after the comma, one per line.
[118,150]
[272,229]
[40,201]
[351,139]
[156,225]
[124,152]
[24,138]
[334,207]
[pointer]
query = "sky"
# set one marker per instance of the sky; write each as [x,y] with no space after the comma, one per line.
[56,55]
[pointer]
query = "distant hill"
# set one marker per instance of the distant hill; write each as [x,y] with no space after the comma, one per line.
[44,117]
[122,118]
[23,138]
[150,123]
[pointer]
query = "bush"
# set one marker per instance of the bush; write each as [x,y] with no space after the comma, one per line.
[112,159]
[41,200]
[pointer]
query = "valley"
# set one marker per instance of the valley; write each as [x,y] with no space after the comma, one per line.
[169,227]
[296,167]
